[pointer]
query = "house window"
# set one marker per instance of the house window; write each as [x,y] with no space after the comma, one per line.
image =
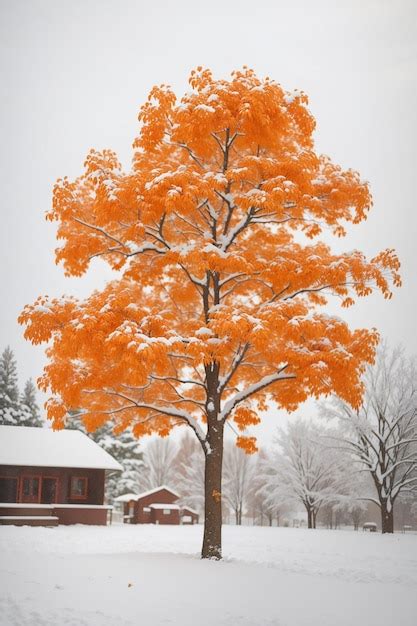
[146,509]
[166,511]
[30,489]
[78,488]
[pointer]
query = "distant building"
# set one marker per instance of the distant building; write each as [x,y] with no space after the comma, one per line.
[52,477]
[157,506]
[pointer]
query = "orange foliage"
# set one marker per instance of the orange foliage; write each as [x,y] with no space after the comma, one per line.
[248,444]
[216,310]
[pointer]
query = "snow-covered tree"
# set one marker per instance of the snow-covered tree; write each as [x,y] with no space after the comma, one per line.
[190,481]
[189,472]
[260,506]
[126,449]
[237,475]
[16,409]
[413,511]
[29,409]
[159,463]
[187,446]
[303,468]
[10,408]
[357,511]
[382,433]
[351,504]
[216,310]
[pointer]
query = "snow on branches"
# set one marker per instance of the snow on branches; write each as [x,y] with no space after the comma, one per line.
[381,435]
[216,308]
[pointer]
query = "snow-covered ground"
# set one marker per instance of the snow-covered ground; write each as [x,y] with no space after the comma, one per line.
[152,576]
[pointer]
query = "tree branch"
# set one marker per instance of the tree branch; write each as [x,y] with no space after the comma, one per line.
[264,382]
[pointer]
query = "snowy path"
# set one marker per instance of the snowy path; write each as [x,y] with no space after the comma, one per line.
[150,575]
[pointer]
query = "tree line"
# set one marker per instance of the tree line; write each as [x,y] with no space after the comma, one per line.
[330,467]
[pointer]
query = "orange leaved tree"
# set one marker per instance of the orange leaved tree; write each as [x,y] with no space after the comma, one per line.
[216,308]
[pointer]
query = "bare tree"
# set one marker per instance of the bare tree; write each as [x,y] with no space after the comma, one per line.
[352,503]
[260,506]
[382,433]
[159,469]
[237,474]
[304,469]
[189,473]
[357,512]
[413,511]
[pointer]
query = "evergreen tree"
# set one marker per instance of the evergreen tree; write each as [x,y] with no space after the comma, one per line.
[10,411]
[29,410]
[124,447]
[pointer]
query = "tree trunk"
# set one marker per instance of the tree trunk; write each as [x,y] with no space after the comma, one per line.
[212,541]
[310,518]
[387,518]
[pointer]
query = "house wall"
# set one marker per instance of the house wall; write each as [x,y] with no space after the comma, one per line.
[63,514]
[95,482]
[98,517]
[159,517]
[84,510]
[190,514]
[135,511]
[145,517]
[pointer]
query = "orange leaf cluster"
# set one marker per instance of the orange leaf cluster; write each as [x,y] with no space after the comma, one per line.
[248,444]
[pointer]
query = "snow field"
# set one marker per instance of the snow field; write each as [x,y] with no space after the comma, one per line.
[152,575]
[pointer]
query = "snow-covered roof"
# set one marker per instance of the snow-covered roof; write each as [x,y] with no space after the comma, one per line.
[44,447]
[151,491]
[189,509]
[126,497]
[159,505]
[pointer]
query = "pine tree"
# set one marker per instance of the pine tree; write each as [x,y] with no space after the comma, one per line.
[29,409]
[124,447]
[9,392]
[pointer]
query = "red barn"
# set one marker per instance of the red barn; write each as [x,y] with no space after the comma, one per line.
[156,506]
[52,477]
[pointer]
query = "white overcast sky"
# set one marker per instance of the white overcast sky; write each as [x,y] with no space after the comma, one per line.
[74,74]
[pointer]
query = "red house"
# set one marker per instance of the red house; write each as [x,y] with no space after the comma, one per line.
[52,477]
[156,506]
